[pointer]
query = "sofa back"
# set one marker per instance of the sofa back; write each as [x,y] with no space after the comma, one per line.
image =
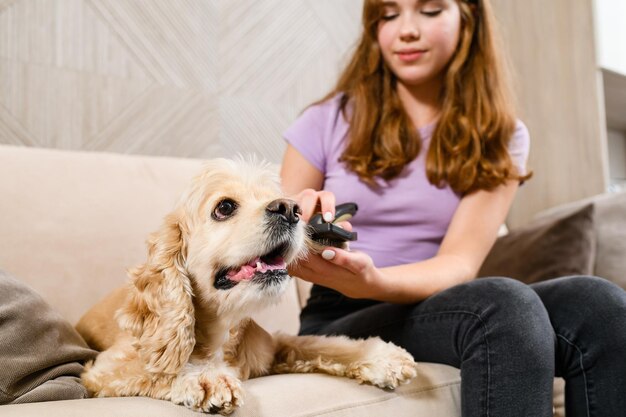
[71,223]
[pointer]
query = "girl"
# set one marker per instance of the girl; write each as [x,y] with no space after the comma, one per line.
[421,134]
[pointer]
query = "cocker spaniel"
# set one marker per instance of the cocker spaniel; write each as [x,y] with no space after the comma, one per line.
[180,331]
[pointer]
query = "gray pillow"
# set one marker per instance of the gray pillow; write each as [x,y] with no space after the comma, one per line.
[610,228]
[41,355]
[545,249]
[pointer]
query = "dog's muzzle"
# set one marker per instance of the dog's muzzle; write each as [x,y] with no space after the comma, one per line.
[284,210]
[281,221]
[265,269]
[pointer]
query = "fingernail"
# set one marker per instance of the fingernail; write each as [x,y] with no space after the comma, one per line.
[328,216]
[328,254]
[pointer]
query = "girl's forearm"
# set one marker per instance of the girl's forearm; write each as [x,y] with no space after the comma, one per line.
[415,282]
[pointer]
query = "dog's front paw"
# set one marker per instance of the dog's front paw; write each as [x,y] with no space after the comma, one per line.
[386,365]
[209,392]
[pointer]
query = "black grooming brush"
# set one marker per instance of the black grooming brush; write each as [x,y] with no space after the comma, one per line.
[328,233]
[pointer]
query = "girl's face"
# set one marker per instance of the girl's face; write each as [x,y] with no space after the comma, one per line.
[418,38]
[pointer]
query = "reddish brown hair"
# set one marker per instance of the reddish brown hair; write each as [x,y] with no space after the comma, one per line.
[468,149]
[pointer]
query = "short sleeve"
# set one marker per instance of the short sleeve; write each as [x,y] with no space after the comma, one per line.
[519,146]
[310,135]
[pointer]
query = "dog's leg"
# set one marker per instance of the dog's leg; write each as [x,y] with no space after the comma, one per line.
[119,372]
[201,386]
[208,387]
[250,350]
[371,360]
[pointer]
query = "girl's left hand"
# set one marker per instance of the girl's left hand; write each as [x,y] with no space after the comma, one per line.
[351,273]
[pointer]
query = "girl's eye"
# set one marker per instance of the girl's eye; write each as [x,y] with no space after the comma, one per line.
[431,13]
[390,16]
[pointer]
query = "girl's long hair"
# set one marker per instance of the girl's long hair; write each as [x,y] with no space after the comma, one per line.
[468,148]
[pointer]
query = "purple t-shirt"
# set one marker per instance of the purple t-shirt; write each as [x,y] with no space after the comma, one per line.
[401,221]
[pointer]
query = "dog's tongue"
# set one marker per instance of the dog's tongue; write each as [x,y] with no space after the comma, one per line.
[246,272]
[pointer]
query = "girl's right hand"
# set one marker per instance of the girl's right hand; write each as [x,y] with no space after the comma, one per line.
[312,201]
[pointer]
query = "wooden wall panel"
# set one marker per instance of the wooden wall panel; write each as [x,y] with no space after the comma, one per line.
[205,78]
[191,78]
[551,45]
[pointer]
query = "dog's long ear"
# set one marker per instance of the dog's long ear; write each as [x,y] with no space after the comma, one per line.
[160,310]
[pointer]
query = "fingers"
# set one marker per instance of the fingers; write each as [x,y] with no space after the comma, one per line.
[310,200]
[327,203]
[350,273]
[312,270]
[307,200]
[345,225]
[355,262]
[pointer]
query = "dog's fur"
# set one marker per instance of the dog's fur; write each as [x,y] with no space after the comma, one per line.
[181,331]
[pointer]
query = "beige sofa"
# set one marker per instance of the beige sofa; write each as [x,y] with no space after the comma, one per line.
[72,222]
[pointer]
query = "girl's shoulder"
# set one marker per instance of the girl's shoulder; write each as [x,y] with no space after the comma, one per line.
[519,147]
[326,109]
[521,136]
[520,128]
[321,118]
[317,132]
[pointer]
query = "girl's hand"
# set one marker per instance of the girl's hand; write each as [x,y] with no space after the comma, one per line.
[311,201]
[351,273]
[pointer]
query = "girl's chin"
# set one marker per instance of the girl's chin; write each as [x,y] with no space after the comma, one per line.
[416,80]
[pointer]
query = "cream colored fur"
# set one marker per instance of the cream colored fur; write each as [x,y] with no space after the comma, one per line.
[171,334]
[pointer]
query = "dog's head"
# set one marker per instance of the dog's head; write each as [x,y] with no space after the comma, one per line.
[240,234]
[224,249]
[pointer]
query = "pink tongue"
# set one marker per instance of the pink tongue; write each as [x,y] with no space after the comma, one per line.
[246,272]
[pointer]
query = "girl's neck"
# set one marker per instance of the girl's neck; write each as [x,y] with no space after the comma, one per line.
[422,103]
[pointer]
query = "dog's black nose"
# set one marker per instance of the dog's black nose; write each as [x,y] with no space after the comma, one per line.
[288,210]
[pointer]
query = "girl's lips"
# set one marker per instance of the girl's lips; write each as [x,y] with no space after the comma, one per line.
[409,56]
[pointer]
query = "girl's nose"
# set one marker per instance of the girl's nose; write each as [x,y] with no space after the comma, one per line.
[409,31]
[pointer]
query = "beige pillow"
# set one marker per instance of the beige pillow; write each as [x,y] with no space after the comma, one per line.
[545,249]
[41,355]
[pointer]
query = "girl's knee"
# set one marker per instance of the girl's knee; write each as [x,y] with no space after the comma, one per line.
[590,286]
[513,321]
[507,293]
[598,295]
[511,308]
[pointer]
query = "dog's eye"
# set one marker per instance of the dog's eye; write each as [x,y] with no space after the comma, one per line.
[224,209]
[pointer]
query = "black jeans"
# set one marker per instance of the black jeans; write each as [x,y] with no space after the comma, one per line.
[509,340]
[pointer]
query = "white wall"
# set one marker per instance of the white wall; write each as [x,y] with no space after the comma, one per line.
[610,24]
[617,159]
[610,28]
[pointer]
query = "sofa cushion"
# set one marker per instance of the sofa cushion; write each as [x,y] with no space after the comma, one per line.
[545,249]
[434,393]
[41,356]
[610,230]
[72,222]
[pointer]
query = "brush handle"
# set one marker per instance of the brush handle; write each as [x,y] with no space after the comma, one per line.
[329,233]
[343,212]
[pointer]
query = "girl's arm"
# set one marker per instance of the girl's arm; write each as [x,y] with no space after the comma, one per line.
[470,236]
[303,182]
